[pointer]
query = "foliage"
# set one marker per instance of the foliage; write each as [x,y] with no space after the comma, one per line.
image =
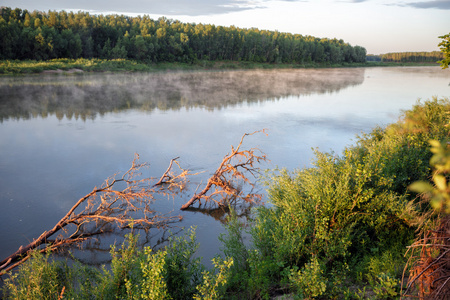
[309,281]
[445,49]
[41,278]
[170,273]
[183,272]
[439,193]
[42,36]
[213,282]
[348,209]
[233,247]
[385,286]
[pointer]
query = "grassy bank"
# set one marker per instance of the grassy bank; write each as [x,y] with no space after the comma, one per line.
[66,66]
[338,230]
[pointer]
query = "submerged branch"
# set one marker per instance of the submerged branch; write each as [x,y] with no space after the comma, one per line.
[225,185]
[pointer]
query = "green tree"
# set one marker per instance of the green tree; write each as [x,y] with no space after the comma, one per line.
[445,48]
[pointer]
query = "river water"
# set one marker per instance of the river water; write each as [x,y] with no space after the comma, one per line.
[62,135]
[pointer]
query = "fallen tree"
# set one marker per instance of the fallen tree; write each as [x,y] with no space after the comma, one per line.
[224,187]
[103,207]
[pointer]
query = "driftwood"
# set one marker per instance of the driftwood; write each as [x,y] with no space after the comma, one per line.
[106,206]
[224,187]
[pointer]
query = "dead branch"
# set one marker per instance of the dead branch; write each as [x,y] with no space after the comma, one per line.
[225,185]
[431,271]
[106,207]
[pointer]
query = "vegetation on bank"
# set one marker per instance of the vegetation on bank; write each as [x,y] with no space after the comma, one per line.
[338,230]
[64,65]
[68,66]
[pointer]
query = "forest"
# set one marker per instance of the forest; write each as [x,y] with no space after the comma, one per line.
[408,57]
[39,35]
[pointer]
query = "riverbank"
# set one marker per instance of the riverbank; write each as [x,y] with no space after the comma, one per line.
[70,66]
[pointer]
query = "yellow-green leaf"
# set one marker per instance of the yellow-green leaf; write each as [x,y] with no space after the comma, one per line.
[421,187]
[441,182]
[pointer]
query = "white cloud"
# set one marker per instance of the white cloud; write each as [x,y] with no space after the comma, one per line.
[166,7]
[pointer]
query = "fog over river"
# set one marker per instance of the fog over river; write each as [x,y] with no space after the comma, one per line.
[62,135]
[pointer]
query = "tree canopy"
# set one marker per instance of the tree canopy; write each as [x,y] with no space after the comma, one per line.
[445,49]
[417,57]
[41,36]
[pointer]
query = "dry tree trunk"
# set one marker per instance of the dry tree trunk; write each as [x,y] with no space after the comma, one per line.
[107,206]
[431,272]
[225,183]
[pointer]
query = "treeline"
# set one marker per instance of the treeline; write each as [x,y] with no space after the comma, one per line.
[415,57]
[41,36]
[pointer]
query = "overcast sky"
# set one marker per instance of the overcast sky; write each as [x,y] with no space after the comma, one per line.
[380,26]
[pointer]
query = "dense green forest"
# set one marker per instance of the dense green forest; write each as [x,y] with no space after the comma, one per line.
[411,57]
[48,35]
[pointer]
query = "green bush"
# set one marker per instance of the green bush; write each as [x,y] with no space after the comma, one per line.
[43,278]
[309,282]
[351,208]
[214,283]
[170,273]
[233,247]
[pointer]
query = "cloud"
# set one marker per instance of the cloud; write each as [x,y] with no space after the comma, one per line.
[162,7]
[438,4]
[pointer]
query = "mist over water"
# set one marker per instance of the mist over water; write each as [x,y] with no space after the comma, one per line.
[63,135]
[86,96]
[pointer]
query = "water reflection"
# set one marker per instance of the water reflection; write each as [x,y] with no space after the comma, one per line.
[221,213]
[85,96]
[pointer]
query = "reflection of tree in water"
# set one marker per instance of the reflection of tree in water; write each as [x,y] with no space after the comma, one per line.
[97,251]
[221,213]
[86,96]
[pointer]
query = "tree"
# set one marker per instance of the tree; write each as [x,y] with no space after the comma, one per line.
[445,48]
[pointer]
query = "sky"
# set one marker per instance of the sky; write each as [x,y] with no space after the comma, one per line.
[380,26]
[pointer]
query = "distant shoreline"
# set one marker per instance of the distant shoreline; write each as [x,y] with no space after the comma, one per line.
[79,66]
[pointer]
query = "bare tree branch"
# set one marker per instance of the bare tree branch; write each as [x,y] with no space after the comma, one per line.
[106,206]
[225,185]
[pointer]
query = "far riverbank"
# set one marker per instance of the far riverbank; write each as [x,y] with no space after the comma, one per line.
[76,66]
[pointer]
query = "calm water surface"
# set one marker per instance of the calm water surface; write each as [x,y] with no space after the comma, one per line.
[62,135]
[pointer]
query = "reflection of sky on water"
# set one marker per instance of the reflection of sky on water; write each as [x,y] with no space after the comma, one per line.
[48,163]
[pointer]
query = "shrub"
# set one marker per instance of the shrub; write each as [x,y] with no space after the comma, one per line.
[350,208]
[309,282]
